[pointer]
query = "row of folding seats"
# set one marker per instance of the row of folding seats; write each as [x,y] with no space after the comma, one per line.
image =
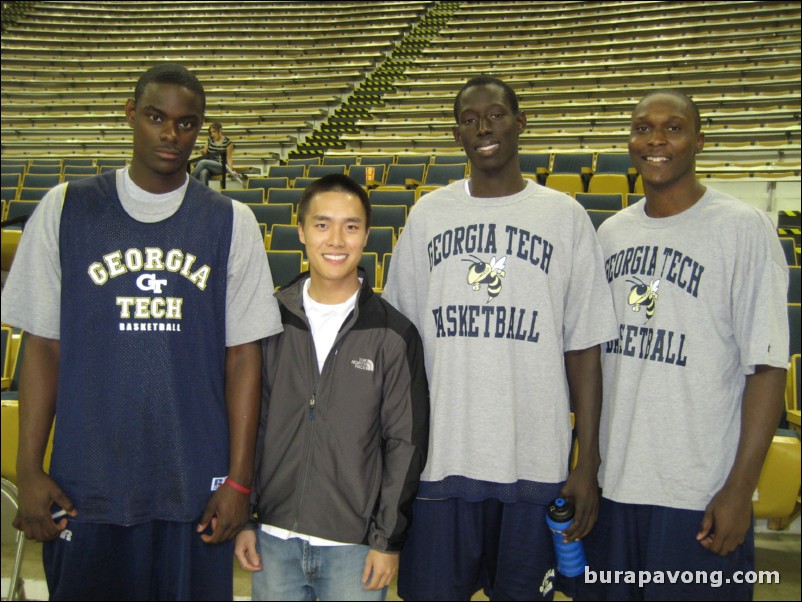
[368,175]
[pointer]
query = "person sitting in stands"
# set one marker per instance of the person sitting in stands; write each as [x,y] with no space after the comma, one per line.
[218,150]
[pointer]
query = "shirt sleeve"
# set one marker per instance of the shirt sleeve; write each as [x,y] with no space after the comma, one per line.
[759,296]
[406,284]
[32,294]
[251,310]
[589,314]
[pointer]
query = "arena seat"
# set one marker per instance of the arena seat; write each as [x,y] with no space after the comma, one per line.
[287,171]
[614,162]
[6,356]
[246,195]
[304,161]
[385,160]
[285,195]
[284,265]
[794,295]
[406,175]
[318,171]
[795,329]
[272,214]
[284,237]
[778,485]
[359,173]
[412,159]
[44,169]
[605,202]
[381,241]
[268,183]
[383,196]
[370,263]
[83,170]
[394,216]
[386,258]
[35,180]
[443,159]
[609,183]
[788,245]
[301,183]
[11,180]
[597,217]
[569,183]
[444,174]
[347,160]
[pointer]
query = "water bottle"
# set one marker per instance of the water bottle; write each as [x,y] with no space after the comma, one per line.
[571,559]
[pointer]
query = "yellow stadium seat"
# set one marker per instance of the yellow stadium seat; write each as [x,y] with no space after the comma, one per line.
[569,183]
[778,486]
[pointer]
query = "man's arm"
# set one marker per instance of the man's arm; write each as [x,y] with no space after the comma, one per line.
[227,510]
[583,370]
[37,407]
[405,430]
[730,510]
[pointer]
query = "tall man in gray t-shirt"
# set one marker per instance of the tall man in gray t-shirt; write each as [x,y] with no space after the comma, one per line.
[504,280]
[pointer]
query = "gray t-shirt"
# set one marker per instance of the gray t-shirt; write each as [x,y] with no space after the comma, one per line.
[701,300]
[32,295]
[500,289]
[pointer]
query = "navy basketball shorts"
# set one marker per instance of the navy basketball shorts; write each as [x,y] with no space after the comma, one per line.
[158,560]
[638,552]
[456,548]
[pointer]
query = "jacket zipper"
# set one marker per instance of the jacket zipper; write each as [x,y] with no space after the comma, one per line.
[316,379]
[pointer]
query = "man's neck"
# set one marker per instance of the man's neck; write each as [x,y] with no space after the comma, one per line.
[331,293]
[666,202]
[496,184]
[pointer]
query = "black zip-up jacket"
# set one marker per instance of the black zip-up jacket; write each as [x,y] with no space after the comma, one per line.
[339,454]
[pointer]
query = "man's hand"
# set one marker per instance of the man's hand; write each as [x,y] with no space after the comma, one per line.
[37,494]
[730,513]
[227,512]
[380,568]
[582,487]
[245,551]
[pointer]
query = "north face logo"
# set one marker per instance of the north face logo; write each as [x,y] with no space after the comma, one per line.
[363,364]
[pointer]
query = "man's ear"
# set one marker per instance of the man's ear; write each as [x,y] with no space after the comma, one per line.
[700,142]
[130,111]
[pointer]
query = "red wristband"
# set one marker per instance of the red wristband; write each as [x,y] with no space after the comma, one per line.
[237,487]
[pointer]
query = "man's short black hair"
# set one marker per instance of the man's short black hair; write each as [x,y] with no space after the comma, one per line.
[487,80]
[697,118]
[333,183]
[170,73]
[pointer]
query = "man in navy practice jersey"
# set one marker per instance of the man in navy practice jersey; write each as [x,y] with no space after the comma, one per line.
[144,296]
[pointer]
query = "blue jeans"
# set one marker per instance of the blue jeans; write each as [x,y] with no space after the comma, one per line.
[205,168]
[294,570]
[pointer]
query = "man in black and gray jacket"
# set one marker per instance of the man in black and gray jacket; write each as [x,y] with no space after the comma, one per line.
[345,420]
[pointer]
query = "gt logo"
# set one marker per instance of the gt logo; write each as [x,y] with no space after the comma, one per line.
[148,282]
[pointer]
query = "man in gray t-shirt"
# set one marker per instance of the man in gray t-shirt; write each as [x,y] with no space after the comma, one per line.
[693,385]
[504,280]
